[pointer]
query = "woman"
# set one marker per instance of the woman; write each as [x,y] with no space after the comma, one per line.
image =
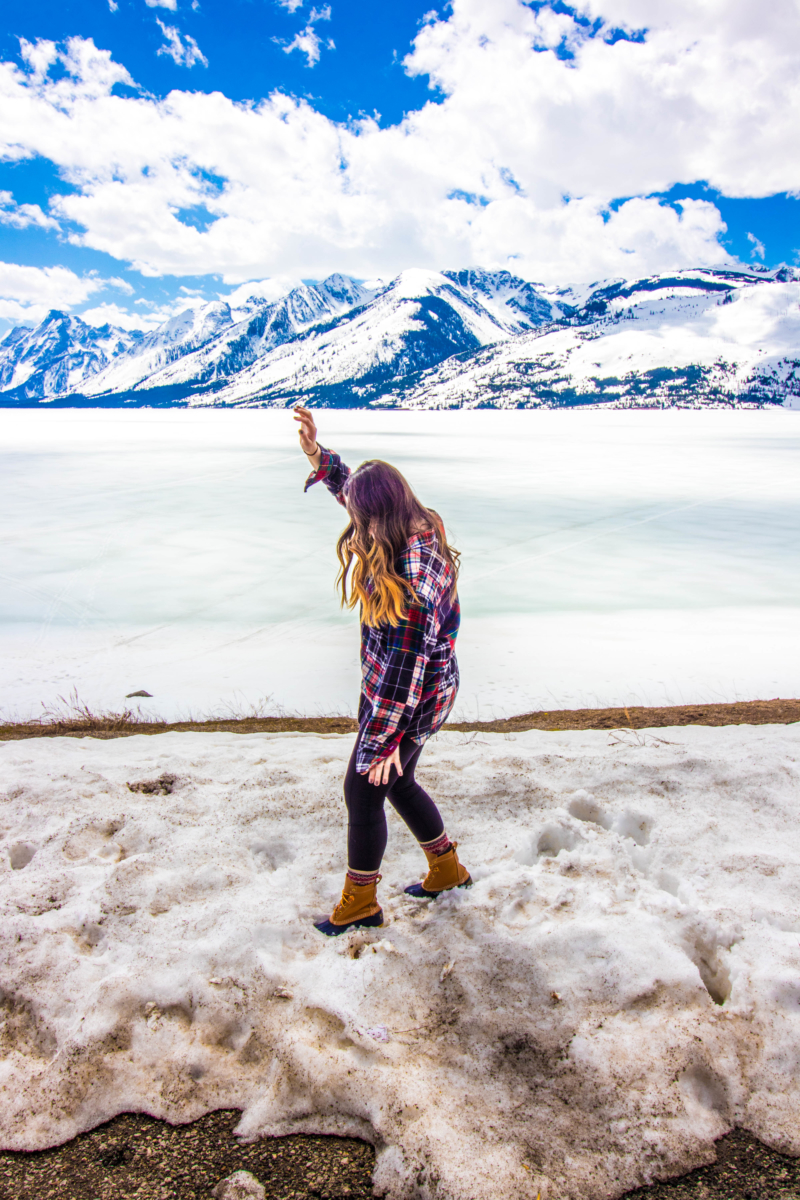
[396,564]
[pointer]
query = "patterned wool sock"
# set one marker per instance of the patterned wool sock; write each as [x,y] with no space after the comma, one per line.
[438,846]
[362,878]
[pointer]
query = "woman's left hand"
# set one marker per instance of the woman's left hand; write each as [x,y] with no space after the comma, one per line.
[380,771]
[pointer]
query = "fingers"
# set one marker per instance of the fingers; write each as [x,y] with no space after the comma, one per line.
[303,417]
[307,431]
[381,772]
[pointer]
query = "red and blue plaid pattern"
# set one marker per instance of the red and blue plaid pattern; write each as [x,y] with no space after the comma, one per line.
[409,672]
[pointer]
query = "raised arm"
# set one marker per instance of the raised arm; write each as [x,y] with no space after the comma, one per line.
[325,465]
[308,436]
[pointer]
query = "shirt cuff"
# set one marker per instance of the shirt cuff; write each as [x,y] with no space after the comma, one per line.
[322,471]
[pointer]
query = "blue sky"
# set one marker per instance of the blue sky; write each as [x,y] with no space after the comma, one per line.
[369,138]
[243,42]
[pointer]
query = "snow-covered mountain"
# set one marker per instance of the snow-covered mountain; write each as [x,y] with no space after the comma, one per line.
[698,337]
[58,357]
[212,343]
[427,339]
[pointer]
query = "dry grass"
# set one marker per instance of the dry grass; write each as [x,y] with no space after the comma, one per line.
[73,718]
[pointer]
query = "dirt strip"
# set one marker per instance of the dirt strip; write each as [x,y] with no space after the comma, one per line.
[110,725]
[135,1156]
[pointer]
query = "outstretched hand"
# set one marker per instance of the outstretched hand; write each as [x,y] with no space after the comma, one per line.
[307,431]
[380,771]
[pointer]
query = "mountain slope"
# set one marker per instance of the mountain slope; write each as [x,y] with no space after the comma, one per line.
[694,338]
[419,320]
[336,334]
[437,339]
[58,357]
[211,343]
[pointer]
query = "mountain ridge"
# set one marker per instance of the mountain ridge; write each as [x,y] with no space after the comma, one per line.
[428,339]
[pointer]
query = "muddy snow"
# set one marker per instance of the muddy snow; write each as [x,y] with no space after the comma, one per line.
[619,987]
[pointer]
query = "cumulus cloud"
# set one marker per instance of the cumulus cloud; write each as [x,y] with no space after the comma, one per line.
[542,122]
[22,216]
[28,293]
[307,41]
[171,4]
[262,289]
[291,5]
[39,56]
[184,51]
[123,318]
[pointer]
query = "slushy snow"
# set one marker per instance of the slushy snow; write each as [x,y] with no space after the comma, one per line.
[618,989]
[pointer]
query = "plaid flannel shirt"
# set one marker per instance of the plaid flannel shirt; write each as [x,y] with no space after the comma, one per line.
[409,672]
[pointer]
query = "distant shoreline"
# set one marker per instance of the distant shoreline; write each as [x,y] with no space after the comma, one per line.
[748,712]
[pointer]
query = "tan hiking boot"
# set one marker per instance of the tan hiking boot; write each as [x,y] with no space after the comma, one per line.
[445,872]
[358,908]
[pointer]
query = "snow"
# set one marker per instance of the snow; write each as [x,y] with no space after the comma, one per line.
[63,352]
[608,557]
[733,331]
[195,344]
[619,987]
[374,337]
[241,1185]
[755,334]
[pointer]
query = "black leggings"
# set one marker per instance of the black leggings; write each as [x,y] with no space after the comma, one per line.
[366,829]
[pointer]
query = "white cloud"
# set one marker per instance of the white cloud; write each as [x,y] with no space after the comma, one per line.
[94,72]
[123,318]
[39,56]
[28,293]
[22,216]
[184,51]
[291,5]
[307,40]
[263,289]
[171,4]
[759,250]
[112,5]
[517,165]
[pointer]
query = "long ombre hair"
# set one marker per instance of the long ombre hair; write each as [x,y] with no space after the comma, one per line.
[384,515]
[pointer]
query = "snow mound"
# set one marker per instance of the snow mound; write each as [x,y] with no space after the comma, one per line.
[618,989]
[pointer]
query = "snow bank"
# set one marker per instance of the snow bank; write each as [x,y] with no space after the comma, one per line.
[618,988]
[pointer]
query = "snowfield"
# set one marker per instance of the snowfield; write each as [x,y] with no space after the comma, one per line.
[438,339]
[619,988]
[643,350]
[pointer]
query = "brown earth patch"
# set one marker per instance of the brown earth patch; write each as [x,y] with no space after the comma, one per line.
[110,725]
[135,1156]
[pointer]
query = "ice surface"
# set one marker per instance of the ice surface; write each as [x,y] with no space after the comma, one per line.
[608,558]
[619,987]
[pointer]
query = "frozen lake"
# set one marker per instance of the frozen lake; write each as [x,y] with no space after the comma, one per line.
[608,557]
